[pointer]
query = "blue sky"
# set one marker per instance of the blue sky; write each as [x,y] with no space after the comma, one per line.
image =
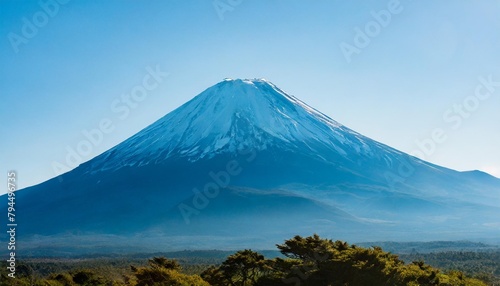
[416,74]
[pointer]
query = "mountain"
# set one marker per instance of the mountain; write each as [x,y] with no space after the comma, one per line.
[246,164]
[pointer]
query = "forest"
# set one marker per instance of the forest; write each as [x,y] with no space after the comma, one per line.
[298,261]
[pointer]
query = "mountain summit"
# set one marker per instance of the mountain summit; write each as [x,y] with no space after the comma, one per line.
[229,116]
[244,163]
[234,115]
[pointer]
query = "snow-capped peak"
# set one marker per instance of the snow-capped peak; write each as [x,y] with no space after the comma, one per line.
[229,116]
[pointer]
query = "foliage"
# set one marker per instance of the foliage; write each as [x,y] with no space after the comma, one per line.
[316,261]
[430,246]
[82,277]
[302,261]
[240,269]
[484,265]
[163,271]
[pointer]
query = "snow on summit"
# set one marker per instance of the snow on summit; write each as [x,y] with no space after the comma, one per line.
[229,116]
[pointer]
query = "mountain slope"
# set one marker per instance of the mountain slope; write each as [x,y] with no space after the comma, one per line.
[242,161]
[233,115]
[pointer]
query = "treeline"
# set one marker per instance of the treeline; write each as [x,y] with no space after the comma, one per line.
[304,261]
[483,265]
[431,246]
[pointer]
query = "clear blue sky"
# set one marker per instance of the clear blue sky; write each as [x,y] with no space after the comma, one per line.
[65,76]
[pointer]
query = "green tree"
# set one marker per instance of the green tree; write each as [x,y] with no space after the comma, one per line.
[240,269]
[214,276]
[316,261]
[165,272]
[163,262]
[88,277]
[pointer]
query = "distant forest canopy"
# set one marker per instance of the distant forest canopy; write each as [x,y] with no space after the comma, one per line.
[300,261]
